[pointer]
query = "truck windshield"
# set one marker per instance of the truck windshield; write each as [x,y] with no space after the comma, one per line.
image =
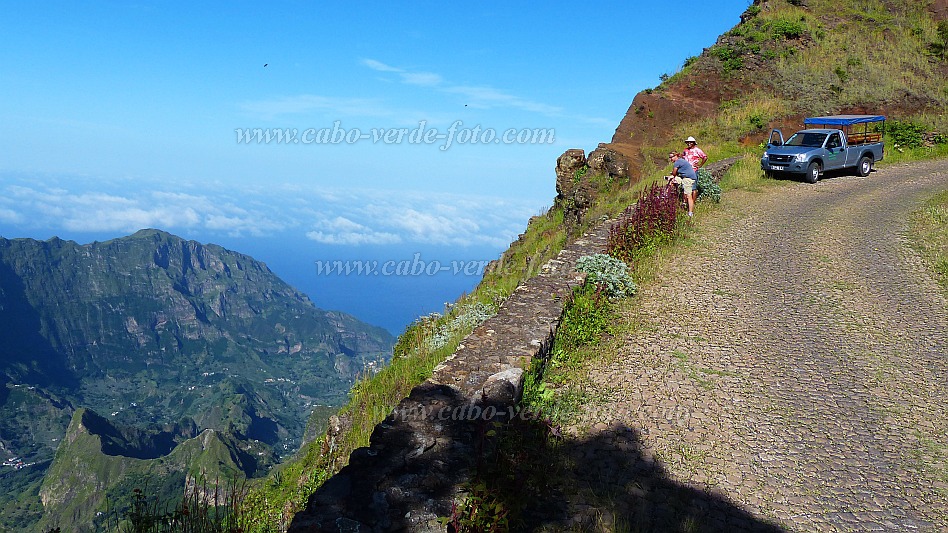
[811,140]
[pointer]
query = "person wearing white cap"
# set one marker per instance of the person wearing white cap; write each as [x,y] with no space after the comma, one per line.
[696,157]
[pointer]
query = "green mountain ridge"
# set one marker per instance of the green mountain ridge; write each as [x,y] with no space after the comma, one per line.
[96,453]
[164,338]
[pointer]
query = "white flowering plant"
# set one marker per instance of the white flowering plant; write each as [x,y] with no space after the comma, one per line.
[609,273]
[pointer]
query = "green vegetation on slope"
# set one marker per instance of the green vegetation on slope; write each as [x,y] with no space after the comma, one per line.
[929,231]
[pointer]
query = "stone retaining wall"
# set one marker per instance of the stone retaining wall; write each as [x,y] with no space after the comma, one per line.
[420,455]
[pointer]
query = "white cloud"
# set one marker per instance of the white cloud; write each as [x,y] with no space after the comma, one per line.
[337,108]
[482,97]
[379,66]
[10,216]
[421,78]
[435,228]
[370,216]
[341,230]
[129,219]
[251,224]
[344,224]
[349,217]
[354,238]
[101,211]
[488,97]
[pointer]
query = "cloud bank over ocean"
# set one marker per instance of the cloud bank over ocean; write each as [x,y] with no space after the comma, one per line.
[345,217]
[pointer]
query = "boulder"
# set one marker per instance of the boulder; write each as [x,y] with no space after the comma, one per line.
[607,162]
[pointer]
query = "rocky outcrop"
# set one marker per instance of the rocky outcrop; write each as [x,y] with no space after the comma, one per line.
[719,168]
[579,179]
[573,193]
[605,161]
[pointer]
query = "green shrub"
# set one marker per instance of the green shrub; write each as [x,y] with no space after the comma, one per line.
[757,120]
[942,42]
[842,74]
[733,64]
[580,173]
[730,58]
[483,509]
[939,47]
[707,188]
[609,273]
[463,318]
[904,134]
[786,29]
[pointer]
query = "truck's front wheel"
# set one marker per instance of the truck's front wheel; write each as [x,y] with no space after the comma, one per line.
[813,172]
[865,166]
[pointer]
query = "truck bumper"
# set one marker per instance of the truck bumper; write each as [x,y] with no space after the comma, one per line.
[792,168]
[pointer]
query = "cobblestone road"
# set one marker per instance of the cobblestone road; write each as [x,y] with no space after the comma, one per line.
[804,380]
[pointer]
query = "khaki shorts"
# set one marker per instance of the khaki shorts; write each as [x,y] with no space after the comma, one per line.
[687,184]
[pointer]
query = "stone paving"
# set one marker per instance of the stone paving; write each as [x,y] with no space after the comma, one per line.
[801,383]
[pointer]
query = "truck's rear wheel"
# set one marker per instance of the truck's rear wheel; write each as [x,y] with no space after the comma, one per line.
[813,172]
[865,166]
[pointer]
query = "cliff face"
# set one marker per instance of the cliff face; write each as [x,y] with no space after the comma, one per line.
[154,329]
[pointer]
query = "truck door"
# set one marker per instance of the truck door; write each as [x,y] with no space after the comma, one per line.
[852,154]
[835,152]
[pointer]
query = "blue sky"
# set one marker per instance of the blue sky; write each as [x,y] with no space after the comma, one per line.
[117,116]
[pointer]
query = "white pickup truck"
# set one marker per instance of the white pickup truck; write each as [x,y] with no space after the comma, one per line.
[829,143]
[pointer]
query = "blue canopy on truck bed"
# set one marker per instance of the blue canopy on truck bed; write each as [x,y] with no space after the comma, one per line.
[844,120]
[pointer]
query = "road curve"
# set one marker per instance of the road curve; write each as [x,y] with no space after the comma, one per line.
[804,378]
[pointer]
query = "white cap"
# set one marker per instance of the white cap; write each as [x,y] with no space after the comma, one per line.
[691,140]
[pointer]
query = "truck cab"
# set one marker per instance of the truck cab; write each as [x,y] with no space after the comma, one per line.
[831,143]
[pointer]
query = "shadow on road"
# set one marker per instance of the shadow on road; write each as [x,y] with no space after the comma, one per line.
[608,482]
[516,474]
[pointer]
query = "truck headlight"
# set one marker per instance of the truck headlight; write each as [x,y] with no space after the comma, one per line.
[799,158]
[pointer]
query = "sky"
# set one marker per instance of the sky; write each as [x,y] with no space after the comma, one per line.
[419,136]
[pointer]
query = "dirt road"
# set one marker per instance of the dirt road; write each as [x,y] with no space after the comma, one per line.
[803,380]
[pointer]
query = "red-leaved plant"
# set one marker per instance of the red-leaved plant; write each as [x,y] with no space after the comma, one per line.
[651,221]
